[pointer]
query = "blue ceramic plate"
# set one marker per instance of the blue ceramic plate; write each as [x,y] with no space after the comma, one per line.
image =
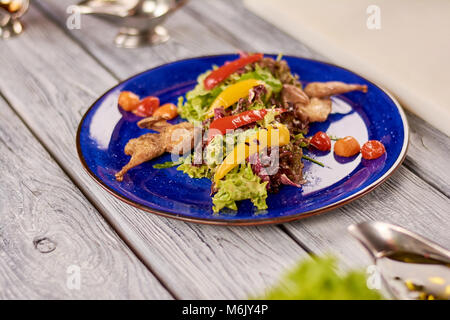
[105,129]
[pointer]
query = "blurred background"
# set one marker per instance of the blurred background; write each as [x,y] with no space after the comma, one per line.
[402,45]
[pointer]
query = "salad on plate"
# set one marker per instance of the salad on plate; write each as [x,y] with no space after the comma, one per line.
[246,126]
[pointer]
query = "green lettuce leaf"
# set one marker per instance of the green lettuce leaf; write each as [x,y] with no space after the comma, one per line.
[215,151]
[269,119]
[265,75]
[198,100]
[240,184]
[196,172]
[318,280]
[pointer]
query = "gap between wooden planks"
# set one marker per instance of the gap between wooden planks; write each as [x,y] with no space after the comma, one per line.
[196,30]
[118,61]
[193,261]
[236,28]
[48,229]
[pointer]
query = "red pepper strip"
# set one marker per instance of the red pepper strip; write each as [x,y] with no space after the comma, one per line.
[224,71]
[220,126]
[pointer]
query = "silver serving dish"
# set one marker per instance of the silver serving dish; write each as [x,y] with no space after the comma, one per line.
[410,266]
[10,12]
[138,20]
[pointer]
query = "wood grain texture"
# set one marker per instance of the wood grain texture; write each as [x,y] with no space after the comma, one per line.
[47,226]
[405,200]
[236,28]
[193,261]
[429,146]
[198,29]
[428,154]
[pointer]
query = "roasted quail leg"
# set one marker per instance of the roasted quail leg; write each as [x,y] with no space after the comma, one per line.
[327,89]
[177,139]
[142,149]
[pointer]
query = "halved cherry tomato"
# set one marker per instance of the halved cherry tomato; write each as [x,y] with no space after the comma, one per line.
[167,111]
[128,101]
[321,141]
[220,74]
[346,147]
[147,107]
[372,149]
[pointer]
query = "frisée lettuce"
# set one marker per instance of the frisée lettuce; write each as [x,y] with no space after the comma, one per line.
[198,100]
[240,184]
[198,172]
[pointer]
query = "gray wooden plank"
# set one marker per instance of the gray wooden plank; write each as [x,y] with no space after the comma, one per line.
[58,81]
[47,226]
[237,27]
[97,35]
[237,22]
[198,29]
[427,162]
[428,154]
[405,200]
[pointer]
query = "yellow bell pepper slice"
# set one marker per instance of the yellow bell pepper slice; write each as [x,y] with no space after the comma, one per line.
[276,135]
[232,94]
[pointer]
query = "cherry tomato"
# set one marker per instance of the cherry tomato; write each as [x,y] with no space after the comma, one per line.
[372,149]
[167,111]
[128,101]
[147,107]
[346,147]
[321,141]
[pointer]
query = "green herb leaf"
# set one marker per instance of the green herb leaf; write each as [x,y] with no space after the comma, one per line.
[334,138]
[313,160]
[168,164]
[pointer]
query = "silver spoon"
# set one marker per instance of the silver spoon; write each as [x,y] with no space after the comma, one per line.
[411,266]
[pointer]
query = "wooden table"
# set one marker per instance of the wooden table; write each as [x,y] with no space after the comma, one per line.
[53,216]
